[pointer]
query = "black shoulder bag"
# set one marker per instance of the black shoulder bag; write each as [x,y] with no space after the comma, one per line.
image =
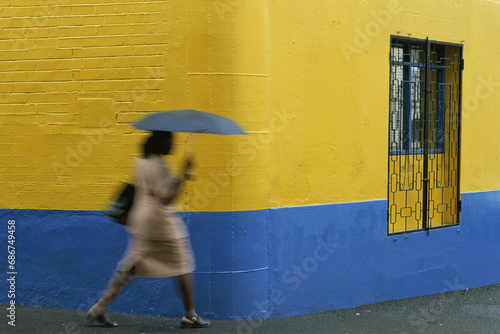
[121,204]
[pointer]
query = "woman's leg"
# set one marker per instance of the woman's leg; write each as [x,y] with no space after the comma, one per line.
[115,285]
[191,319]
[186,282]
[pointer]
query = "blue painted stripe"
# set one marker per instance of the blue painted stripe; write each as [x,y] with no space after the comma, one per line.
[263,263]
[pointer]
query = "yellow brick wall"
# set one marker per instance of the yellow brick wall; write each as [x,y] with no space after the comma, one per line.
[73,73]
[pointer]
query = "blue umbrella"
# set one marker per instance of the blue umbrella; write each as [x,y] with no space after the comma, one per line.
[189,120]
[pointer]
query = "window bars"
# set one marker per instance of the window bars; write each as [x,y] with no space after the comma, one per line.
[424,135]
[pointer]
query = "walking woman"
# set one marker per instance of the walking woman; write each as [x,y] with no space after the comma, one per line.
[159,243]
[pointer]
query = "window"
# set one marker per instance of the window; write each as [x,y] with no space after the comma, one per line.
[424,135]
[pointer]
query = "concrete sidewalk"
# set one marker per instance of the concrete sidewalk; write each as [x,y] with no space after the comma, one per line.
[469,311]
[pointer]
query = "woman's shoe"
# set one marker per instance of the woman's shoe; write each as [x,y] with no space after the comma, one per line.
[101,320]
[194,322]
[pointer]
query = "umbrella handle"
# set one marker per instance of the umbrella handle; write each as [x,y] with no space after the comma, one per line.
[190,145]
[189,151]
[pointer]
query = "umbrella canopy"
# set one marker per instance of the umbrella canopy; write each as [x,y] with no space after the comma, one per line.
[189,120]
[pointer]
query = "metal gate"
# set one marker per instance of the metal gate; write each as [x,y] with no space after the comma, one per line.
[424,135]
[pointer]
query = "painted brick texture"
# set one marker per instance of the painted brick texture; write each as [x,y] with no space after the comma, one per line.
[71,77]
[74,75]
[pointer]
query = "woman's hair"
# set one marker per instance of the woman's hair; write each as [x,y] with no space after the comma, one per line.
[152,145]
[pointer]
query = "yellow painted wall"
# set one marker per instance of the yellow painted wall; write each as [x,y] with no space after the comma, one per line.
[330,73]
[75,73]
[308,80]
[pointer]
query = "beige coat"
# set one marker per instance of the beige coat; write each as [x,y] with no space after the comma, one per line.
[159,241]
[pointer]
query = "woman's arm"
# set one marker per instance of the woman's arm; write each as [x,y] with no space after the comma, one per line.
[175,183]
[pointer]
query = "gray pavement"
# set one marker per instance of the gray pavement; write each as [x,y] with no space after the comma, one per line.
[468,311]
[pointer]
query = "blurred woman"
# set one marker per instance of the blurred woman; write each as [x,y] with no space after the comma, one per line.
[159,243]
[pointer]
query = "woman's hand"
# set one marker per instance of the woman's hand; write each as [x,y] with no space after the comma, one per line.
[187,168]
